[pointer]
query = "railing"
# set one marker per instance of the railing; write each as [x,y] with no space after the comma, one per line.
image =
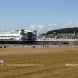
[54,39]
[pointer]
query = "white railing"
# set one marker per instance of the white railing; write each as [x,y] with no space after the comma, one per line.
[53,39]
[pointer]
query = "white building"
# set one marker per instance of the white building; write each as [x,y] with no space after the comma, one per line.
[12,35]
[9,35]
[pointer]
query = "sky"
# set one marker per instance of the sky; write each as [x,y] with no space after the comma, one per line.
[45,14]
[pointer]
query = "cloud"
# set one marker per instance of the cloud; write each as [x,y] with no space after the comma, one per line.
[39,27]
[42,28]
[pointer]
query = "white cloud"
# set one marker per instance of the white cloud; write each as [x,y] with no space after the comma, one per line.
[40,28]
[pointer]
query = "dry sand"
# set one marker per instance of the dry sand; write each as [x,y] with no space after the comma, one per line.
[44,62]
[34,50]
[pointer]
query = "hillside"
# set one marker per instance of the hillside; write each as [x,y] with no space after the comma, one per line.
[64,30]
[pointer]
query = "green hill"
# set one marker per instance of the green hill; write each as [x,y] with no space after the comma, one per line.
[64,30]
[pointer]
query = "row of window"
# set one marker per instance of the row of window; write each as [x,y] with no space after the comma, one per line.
[9,36]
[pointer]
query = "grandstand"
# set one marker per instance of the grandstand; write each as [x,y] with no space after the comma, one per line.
[26,38]
[18,35]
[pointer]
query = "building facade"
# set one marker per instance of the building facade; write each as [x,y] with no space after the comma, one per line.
[20,35]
